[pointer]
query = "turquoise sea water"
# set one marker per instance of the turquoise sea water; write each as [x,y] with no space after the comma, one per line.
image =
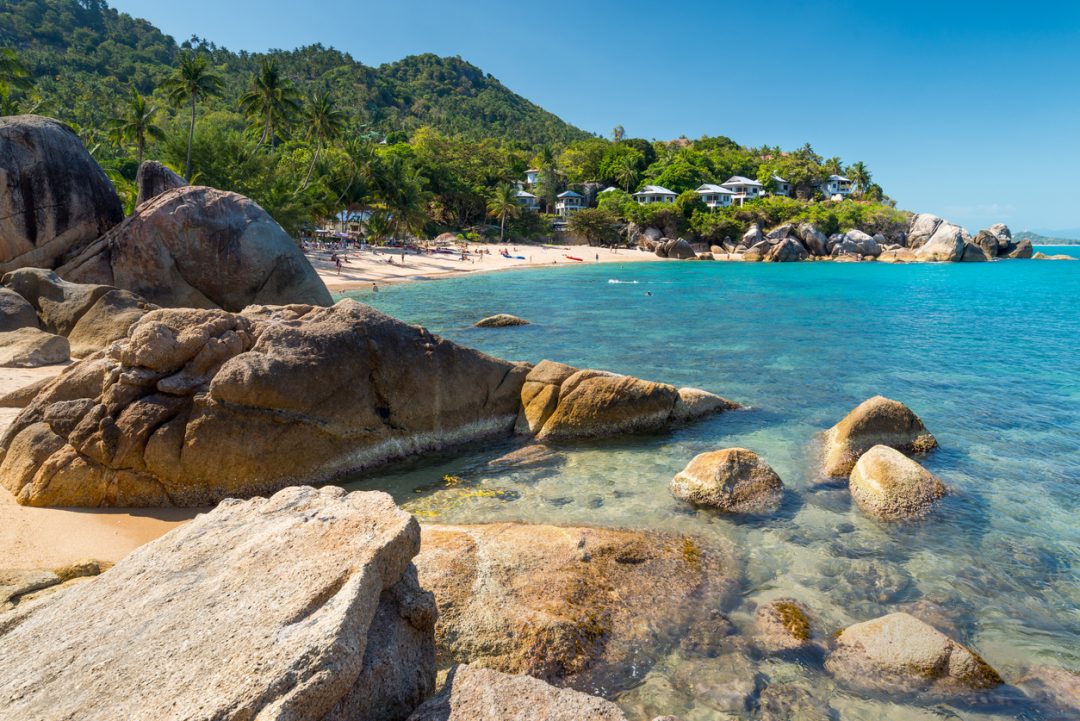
[987,354]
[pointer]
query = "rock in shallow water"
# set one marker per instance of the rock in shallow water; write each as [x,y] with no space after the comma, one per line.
[875,421]
[734,480]
[783,625]
[300,606]
[500,320]
[888,485]
[898,653]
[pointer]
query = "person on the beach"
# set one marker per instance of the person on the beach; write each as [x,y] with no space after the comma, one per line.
[597,257]
[374,287]
[337,264]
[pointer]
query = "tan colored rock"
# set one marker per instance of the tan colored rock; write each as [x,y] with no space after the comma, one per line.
[783,624]
[201,248]
[106,321]
[974,253]
[898,255]
[734,480]
[875,421]
[786,251]
[54,198]
[1055,686]
[59,304]
[198,405]
[889,486]
[500,320]
[580,607]
[1061,256]
[480,694]
[898,653]
[560,402]
[301,606]
[1022,249]
[31,347]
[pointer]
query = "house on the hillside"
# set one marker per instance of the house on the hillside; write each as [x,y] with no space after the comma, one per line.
[715,196]
[527,200]
[744,189]
[655,194]
[532,176]
[781,186]
[607,190]
[568,202]
[836,185]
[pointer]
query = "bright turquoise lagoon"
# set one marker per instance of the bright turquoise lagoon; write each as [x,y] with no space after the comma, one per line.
[987,354]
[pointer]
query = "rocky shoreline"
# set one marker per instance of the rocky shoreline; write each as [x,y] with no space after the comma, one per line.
[212,371]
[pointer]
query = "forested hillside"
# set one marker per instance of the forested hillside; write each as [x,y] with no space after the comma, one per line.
[84,55]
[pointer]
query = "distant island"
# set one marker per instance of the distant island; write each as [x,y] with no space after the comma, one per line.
[1036,239]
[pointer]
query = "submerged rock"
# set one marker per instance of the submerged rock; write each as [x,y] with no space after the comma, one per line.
[875,421]
[783,625]
[1055,686]
[888,485]
[32,347]
[500,320]
[784,702]
[199,247]
[735,480]
[1061,256]
[198,405]
[300,606]
[153,179]
[898,653]
[560,402]
[580,607]
[479,694]
[54,198]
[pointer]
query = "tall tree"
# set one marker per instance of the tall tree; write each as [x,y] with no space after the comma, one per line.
[504,204]
[549,177]
[626,172]
[13,76]
[323,123]
[833,166]
[859,175]
[136,123]
[271,101]
[617,133]
[194,79]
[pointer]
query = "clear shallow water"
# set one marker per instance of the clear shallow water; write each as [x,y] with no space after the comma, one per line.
[987,354]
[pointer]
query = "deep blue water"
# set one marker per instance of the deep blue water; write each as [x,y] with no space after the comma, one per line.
[987,354]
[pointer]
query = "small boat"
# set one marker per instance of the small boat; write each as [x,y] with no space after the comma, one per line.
[570,257]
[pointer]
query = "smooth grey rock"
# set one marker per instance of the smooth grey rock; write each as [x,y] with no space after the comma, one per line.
[752,236]
[15,311]
[945,245]
[787,250]
[986,240]
[815,241]
[974,253]
[153,179]
[1022,249]
[921,228]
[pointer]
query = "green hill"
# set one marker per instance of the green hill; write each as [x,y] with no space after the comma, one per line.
[1037,239]
[85,56]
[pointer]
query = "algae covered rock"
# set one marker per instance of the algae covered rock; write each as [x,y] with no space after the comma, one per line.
[734,480]
[898,653]
[888,485]
[875,421]
[783,624]
[580,607]
[479,694]
[299,606]
[500,320]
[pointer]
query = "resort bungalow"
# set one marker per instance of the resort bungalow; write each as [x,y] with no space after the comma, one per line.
[527,200]
[782,186]
[607,190]
[568,202]
[836,185]
[532,176]
[743,188]
[715,196]
[655,194]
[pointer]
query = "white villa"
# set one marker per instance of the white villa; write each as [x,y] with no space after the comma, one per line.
[743,188]
[655,194]
[568,202]
[836,185]
[532,176]
[527,200]
[782,186]
[607,190]
[715,196]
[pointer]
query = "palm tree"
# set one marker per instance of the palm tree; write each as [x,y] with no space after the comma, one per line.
[626,172]
[833,166]
[323,122]
[270,102]
[617,133]
[378,226]
[859,175]
[13,76]
[136,123]
[401,189]
[193,80]
[503,204]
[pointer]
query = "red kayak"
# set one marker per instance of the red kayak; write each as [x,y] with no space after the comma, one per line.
[580,260]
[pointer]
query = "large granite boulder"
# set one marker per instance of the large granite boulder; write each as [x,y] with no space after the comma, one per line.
[757,251]
[31,347]
[780,232]
[734,480]
[500,320]
[15,311]
[815,241]
[560,402]
[786,251]
[875,421]
[900,654]
[678,249]
[588,608]
[198,247]
[1004,237]
[198,405]
[752,236]
[54,199]
[153,179]
[921,227]
[865,244]
[888,485]
[946,244]
[986,240]
[300,606]
[1022,249]
[974,253]
[480,694]
[898,255]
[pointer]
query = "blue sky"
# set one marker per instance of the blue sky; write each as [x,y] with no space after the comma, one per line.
[967,110]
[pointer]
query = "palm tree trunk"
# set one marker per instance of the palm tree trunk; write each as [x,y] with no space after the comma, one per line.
[314,159]
[190,141]
[502,227]
[140,143]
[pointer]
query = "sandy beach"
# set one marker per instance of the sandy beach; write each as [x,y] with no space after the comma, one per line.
[362,268]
